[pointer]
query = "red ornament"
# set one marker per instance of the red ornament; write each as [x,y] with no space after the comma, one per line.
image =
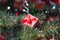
[1,38]
[56,1]
[30,20]
[17,13]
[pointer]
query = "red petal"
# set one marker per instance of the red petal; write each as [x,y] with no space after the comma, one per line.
[23,21]
[34,19]
[29,22]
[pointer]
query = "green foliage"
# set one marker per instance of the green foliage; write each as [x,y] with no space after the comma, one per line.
[29,33]
[12,25]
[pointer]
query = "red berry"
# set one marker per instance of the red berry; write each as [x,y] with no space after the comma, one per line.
[1,38]
[17,13]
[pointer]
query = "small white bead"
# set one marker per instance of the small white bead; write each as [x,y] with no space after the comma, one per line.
[24,10]
[54,7]
[8,7]
[46,11]
[27,4]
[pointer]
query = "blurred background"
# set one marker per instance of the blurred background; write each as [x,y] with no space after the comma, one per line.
[12,12]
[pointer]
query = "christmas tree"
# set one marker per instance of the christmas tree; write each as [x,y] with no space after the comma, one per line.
[29,19]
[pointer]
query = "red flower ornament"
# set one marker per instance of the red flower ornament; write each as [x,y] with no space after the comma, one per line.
[30,20]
